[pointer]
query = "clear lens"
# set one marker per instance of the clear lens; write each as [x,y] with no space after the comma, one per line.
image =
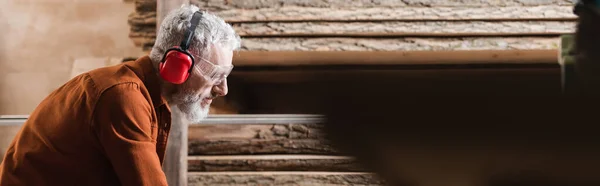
[212,72]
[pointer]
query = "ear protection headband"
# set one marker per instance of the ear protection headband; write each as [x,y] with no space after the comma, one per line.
[177,63]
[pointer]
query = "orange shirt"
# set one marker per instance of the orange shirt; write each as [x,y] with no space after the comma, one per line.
[105,127]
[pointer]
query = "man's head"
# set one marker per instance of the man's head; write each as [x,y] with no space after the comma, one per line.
[212,48]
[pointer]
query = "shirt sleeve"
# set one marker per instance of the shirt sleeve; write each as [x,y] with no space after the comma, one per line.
[123,125]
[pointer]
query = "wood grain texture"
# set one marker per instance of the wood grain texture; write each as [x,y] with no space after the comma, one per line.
[258,139]
[216,5]
[256,131]
[145,5]
[434,13]
[399,29]
[283,178]
[146,18]
[273,163]
[259,146]
[402,44]
[308,14]
[175,163]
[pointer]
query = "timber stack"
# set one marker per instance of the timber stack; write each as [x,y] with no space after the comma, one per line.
[269,154]
[285,41]
[361,25]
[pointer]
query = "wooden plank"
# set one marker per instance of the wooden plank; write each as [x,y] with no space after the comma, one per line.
[175,163]
[434,13]
[254,138]
[399,44]
[294,58]
[375,14]
[391,29]
[145,5]
[142,18]
[163,7]
[256,131]
[406,29]
[386,44]
[227,5]
[259,146]
[283,178]
[273,163]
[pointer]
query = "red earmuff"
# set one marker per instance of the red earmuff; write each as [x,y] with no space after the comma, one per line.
[176,65]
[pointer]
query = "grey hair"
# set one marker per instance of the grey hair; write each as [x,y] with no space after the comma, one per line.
[210,30]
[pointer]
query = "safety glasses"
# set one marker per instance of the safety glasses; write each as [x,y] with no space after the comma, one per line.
[215,74]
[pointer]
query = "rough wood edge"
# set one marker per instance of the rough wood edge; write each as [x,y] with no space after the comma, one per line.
[260,146]
[284,178]
[224,5]
[406,34]
[273,163]
[398,43]
[296,14]
[257,131]
[564,13]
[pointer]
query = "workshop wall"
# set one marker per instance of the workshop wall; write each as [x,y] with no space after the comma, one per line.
[41,39]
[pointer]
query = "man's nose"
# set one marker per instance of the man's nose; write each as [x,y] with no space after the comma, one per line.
[221,89]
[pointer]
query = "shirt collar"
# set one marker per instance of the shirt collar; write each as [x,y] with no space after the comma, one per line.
[144,69]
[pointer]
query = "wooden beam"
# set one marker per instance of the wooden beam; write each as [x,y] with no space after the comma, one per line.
[374,14]
[273,163]
[175,165]
[388,29]
[332,4]
[283,178]
[399,44]
[406,29]
[145,5]
[379,14]
[295,58]
[293,137]
[163,7]
[259,146]
[388,44]
[256,131]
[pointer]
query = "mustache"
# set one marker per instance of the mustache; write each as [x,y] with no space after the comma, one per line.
[212,95]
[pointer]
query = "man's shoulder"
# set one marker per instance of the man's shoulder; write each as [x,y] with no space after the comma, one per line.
[107,77]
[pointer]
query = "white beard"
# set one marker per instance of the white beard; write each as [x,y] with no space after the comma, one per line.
[191,112]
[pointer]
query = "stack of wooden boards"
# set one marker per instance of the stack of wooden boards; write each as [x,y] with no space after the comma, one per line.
[327,34]
[365,25]
[269,154]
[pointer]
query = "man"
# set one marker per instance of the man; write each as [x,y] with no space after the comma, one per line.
[110,126]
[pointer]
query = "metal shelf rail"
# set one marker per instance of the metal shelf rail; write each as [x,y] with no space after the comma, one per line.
[237,119]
